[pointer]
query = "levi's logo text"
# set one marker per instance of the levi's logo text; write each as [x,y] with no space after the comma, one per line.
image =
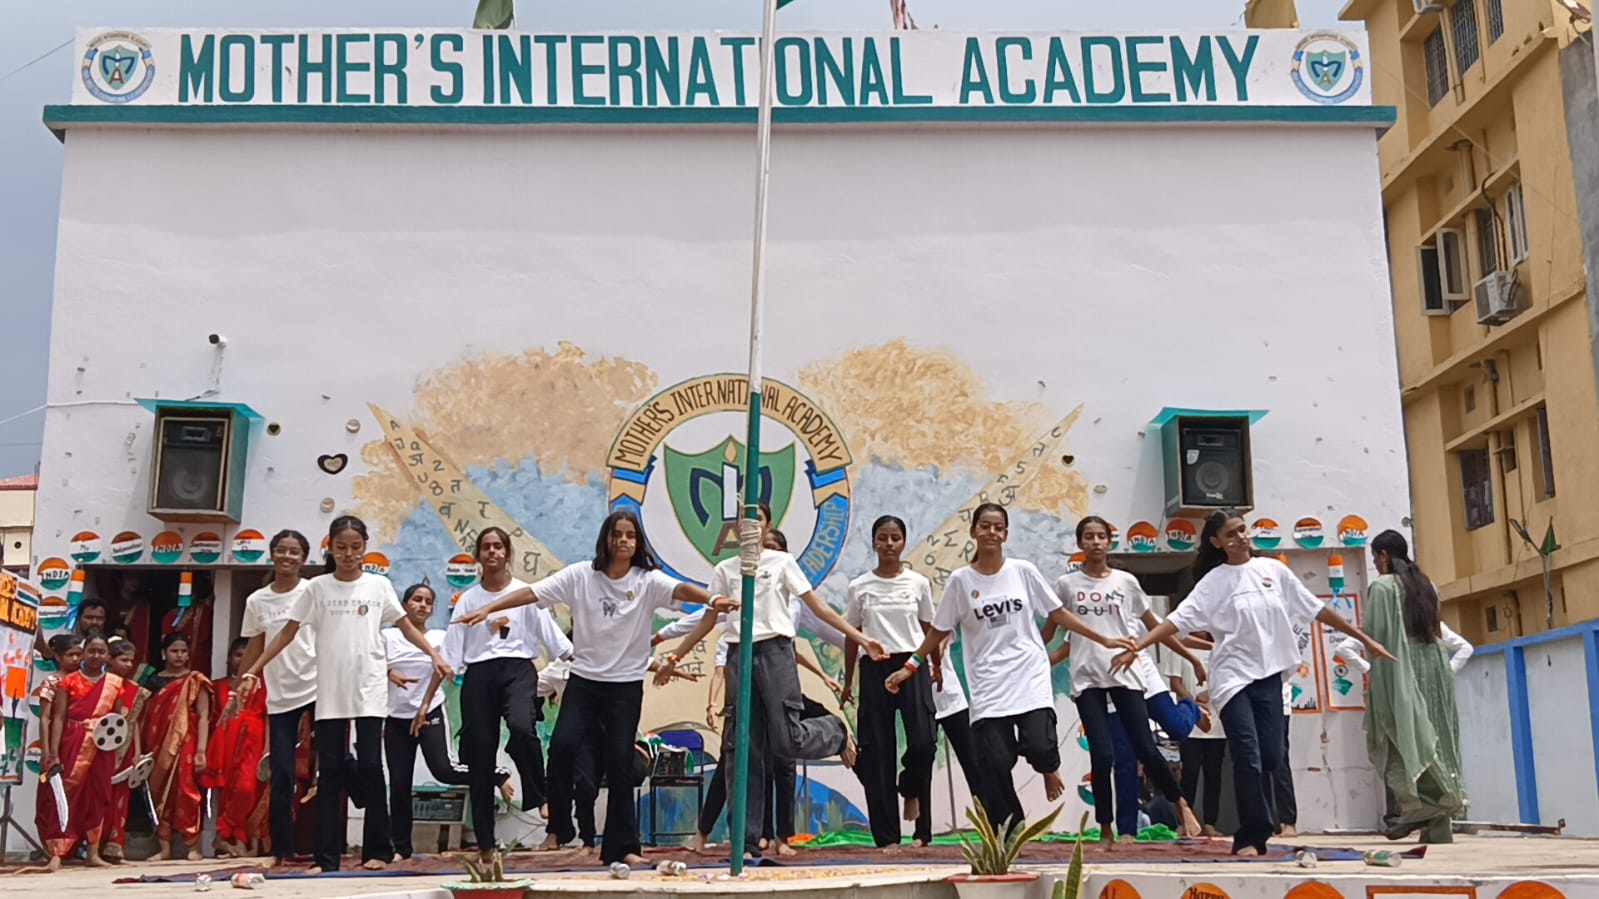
[996,613]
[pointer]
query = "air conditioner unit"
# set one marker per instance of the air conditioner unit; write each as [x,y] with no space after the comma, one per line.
[1497,297]
[1423,7]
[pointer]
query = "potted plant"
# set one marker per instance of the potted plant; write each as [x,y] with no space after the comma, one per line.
[991,855]
[487,881]
[1068,887]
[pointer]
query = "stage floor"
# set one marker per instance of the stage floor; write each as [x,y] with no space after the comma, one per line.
[1474,867]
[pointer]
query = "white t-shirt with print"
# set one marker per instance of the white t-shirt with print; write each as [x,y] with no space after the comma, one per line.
[1111,606]
[290,679]
[1007,666]
[349,617]
[778,580]
[952,699]
[612,620]
[531,631]
[411,662]
[1251,610]
[891,610]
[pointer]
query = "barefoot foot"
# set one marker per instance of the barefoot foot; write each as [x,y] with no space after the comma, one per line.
[1248,852]
[851,751]
[784,850]
[1054,786]
[374,864]
[695,844]
[1107,840]
[1209,830]
[314,870]
[913,808]
[1187,824]
[1289,830]
[550,843]
[195,856]
[507,792]
[634,860]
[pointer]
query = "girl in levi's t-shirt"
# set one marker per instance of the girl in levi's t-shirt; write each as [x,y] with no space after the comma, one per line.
[994,602]
[1112,603]
[613,601]
[1249,606]
[348,608]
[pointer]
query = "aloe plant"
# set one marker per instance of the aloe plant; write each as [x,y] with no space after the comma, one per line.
[1069,887]
[992,854]
[492,871]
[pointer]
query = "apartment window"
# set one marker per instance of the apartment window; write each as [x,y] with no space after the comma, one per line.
[1546,459]
[1437,56]
[1476,488]
[1496,20]
[1463,26]
[1487,246]
[1455,276]
[1516,223]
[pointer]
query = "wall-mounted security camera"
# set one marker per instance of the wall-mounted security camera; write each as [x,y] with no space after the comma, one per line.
[217,340]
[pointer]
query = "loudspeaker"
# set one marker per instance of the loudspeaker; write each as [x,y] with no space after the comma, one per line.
[1207,464]
[197,467]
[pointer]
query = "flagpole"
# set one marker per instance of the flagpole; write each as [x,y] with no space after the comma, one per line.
[752,454]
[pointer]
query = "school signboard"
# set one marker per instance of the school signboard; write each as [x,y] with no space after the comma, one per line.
[711,71]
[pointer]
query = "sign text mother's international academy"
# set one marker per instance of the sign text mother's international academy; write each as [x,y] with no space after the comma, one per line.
[893,69]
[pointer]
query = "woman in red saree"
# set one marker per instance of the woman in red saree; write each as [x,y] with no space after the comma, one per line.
[177,730]
[67,650]
[233,766]
[131,704]
[83,698]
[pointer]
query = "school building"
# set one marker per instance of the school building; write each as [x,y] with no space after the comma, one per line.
[1491,200]
[449,279]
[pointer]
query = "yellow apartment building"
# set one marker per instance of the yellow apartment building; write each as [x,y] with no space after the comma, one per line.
[1491,313]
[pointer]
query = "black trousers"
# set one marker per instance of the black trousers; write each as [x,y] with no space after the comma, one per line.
[333,782]
[399,748]
[957,730]
[597,714]
[1283,801]
[781,779]
[1203,756]
[283,740]
[999,742]
[492,690]
[1093,706]
[1254,720]
[779,728]
[878,764]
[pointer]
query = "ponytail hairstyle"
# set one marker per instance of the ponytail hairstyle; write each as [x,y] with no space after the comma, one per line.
[1419,606]
[339,525]
[1211,556]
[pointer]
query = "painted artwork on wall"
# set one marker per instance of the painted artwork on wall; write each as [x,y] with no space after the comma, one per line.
[19,620]
[1343,682]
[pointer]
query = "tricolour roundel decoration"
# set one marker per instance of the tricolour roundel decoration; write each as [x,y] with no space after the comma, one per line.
[31,756]
[205,548]
[166,547]
[1352,530]
[53,573]
[85,547]
[1531,889]
[1142,537]
[1181,535]
[110,732]
[53,612]
[1313,889]
[461,571]
[127,548]
[1265,534]
[1205,891]
[1308,533]
[1075,563]
[249,546]
[375,563]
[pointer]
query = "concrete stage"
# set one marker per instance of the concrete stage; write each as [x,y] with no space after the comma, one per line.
[1475,867]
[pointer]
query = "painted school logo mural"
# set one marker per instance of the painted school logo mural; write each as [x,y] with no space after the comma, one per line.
[118,67]
[678,462]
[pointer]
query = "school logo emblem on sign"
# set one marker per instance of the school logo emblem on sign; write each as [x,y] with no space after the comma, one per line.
[1327,67]
[678,462]
[118,67]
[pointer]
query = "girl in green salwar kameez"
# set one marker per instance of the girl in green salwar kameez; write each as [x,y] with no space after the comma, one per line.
[1412,725]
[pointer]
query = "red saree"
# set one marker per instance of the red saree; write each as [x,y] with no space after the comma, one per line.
[86,771]
[172,734]
[44,816]
[233,760]
[130,703]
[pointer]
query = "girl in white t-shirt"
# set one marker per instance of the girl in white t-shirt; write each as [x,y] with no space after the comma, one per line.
[1250,607]
[416,718]
[1113,604]
[289,680]
[613,601]
[893,605]
[995,603]
[347,607]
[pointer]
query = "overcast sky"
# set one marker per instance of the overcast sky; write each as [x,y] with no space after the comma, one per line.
[30,174]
